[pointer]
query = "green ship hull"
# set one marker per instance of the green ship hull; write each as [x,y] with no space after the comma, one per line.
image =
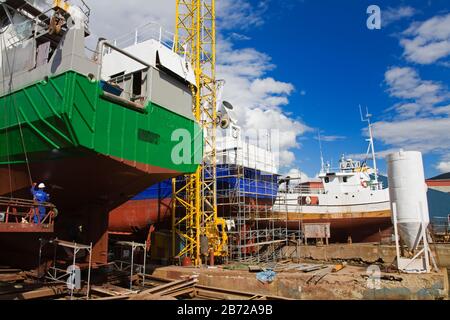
[94,153]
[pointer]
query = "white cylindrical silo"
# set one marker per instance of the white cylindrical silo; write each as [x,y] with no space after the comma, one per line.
[408,191]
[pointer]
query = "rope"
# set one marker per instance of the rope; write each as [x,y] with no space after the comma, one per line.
[20,127]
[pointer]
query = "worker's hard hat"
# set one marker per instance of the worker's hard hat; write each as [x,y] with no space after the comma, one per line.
[41,186]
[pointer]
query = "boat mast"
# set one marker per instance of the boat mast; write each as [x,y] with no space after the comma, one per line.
[322,165]
[366,118]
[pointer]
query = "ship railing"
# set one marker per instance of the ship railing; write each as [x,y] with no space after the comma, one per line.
[23,211]
[303,190]
[238,156]
[81,4]
[39,21]
[151,30]
[129,99]
[24,30]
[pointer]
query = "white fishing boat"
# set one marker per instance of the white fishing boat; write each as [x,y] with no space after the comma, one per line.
[352,198]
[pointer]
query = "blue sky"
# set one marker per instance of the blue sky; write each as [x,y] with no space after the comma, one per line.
[300,65]
[324,49]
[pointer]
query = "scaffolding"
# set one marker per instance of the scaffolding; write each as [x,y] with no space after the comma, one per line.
[247,187]
[70,275]
[440,229]
[126,261]
[22,215]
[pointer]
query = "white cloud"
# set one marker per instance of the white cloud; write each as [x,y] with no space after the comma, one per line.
[330,138]
[257,97]
[295,173]
[422,134]
[113,20]
[239,36]
[391,14]
[421,120]
[417,96]
[240,14]
[379,154]
[429,41]
[443,166]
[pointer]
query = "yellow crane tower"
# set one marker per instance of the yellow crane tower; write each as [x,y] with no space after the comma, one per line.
[194,202]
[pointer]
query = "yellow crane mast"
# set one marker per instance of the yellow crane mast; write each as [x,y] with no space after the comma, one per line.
[194,217]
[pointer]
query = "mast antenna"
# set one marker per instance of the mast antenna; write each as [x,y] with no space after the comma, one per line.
[366,118]
[322,164]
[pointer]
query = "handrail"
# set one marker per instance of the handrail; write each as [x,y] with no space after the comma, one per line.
[104,43]
[14,208]
[150,30]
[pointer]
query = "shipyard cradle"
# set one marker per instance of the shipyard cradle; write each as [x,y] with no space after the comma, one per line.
[95,127]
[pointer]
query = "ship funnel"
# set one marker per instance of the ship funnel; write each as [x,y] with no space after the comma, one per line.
[408,195]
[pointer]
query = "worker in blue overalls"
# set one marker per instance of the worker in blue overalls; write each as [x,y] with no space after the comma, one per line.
[40,196]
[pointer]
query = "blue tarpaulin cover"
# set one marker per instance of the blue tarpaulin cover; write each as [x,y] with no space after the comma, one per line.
[266,276]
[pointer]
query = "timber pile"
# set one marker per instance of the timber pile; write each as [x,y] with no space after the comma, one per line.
[168,289]
[18,285]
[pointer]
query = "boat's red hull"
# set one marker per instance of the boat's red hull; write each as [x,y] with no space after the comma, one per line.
[137,215]
[360,227]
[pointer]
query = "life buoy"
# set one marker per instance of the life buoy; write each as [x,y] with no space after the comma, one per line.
[308,200]
[304,200]
[364,184]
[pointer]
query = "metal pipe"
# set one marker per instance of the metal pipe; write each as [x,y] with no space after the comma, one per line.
[132,265]
[75,251]
[89,272]
[105,43]
[145,259]
[124,102]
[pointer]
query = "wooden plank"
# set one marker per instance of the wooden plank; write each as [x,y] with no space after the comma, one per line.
[313,268]
[174,289]
[103,290]
[123,297]
[202,293]
[164,286]
[42,293]
[182,292]
[11,277]
[235,292]
[254,268]
[10,270]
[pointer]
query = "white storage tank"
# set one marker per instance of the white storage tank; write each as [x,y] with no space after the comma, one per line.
[407,189]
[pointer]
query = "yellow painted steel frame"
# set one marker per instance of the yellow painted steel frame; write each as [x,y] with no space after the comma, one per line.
[61,4]
[195,37]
